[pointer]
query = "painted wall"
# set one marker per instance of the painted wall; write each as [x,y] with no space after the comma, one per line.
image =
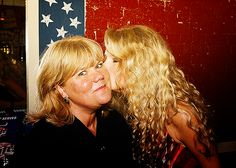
[201,34]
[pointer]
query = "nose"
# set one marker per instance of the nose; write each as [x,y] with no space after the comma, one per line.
[98,75]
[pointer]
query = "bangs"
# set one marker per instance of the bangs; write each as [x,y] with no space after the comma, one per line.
[79,54]
[87,56]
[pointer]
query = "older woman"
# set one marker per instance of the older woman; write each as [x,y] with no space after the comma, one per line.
[70,129]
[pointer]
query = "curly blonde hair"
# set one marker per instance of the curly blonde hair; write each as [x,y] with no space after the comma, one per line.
[60,62]
[153,85]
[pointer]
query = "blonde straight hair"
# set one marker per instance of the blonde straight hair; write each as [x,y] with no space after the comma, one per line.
[59,63]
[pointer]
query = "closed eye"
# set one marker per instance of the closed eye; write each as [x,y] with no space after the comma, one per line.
[115,60]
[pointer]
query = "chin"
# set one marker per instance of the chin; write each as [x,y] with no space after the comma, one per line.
[105,99]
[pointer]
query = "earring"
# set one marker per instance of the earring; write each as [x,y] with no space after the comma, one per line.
[66,100]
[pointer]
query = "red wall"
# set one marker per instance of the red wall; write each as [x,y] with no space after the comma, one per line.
[201,34]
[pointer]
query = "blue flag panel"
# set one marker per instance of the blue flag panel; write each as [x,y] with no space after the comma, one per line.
[58,19]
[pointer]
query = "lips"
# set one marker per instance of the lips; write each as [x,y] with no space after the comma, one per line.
[100,87]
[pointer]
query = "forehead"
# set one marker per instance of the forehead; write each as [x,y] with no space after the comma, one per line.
[86,66]
[107,53]
[87,60]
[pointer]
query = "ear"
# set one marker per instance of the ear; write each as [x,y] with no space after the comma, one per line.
[61,90]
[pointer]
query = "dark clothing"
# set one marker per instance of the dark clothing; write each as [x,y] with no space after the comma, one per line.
[75,146]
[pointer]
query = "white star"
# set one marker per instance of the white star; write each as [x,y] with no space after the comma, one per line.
[51,42]
[67,7]
[95,8]
[46,19]
[61,32]
[74,22]
[51,2]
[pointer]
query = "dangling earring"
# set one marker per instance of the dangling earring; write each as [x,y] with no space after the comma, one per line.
[66,100]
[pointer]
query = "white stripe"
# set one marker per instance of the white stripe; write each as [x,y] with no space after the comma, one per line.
[32,52]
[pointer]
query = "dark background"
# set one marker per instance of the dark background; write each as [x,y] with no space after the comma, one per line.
[202,36]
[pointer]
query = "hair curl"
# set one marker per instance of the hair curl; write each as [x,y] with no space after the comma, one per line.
[153,85]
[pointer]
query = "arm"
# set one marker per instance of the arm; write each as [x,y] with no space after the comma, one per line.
[181,133]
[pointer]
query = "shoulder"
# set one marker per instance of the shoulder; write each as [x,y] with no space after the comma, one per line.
[179,125]
[35,135]
[42,125]
[40,140]
[42,131]
[183,114]
[185,128]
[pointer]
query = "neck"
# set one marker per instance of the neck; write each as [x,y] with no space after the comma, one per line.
[88,118]
[92,125]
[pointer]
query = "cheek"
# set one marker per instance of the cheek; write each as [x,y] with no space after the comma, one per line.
[106,74]
[85,86]
[113,75]
[108,65]
[122,80]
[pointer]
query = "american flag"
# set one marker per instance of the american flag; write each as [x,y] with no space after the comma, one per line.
[58,19]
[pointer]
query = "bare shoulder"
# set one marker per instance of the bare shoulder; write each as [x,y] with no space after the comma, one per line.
[180,129]
[178,126]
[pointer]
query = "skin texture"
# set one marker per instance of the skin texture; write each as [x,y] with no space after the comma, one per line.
[91,84]
[181,133]
[112,65]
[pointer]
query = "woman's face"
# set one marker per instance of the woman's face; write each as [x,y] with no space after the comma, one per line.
[89,88]
[117,82]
